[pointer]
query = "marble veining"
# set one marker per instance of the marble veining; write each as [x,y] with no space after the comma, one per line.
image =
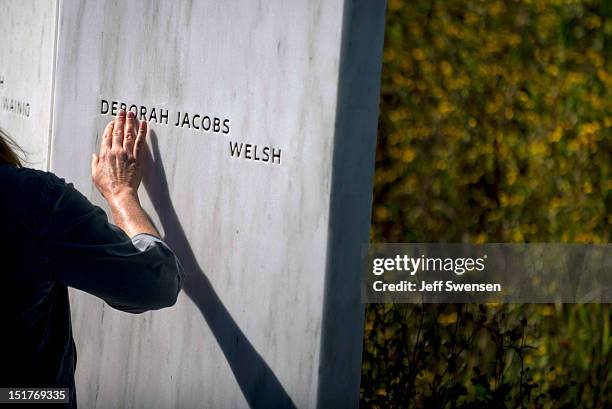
[254,237]
[27,50]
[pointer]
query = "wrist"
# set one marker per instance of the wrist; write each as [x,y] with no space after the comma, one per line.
[123,195]
[129,215]
[127,198]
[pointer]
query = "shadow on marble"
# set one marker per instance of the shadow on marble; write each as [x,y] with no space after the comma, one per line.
[259,385]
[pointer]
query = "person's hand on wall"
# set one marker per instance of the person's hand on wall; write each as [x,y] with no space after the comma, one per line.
[117,172]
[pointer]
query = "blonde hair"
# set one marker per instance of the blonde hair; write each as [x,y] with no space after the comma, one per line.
[8,150]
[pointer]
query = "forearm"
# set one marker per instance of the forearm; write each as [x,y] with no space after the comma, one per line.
[129,215]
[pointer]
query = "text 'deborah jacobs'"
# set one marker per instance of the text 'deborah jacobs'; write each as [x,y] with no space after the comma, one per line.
[200,122]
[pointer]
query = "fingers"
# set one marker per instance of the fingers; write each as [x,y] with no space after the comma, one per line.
[118,130]
[140,139]
[107,137]
[129,137]
[122,133]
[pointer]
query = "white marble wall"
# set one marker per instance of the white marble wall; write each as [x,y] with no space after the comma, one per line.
[27,44]
[270,313]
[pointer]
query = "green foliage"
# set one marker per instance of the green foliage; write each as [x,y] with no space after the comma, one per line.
[495,126]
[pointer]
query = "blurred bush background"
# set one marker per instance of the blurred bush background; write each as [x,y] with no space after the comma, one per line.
[495,126]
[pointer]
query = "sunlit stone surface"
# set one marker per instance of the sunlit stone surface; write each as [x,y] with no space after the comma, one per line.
[263,119]
[27,41]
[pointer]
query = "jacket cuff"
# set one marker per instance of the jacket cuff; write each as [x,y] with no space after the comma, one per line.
[144,241]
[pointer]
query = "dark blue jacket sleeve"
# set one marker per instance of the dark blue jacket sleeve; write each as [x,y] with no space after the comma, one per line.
[86,252]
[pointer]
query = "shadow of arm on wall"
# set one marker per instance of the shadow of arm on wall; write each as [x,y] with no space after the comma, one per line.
[258,383]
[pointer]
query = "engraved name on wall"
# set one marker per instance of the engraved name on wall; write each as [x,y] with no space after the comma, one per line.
[13,104]
[198,122]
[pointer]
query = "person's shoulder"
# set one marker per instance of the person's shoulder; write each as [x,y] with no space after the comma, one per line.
[22,172]
[28,186]
[22,176]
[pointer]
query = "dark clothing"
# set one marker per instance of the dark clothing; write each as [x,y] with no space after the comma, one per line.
[53,237]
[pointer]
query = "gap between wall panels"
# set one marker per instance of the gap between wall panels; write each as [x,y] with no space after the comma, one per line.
[52,96]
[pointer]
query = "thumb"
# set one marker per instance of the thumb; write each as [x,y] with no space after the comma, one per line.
[94,162]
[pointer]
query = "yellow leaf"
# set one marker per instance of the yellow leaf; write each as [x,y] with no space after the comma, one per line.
[447,319]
